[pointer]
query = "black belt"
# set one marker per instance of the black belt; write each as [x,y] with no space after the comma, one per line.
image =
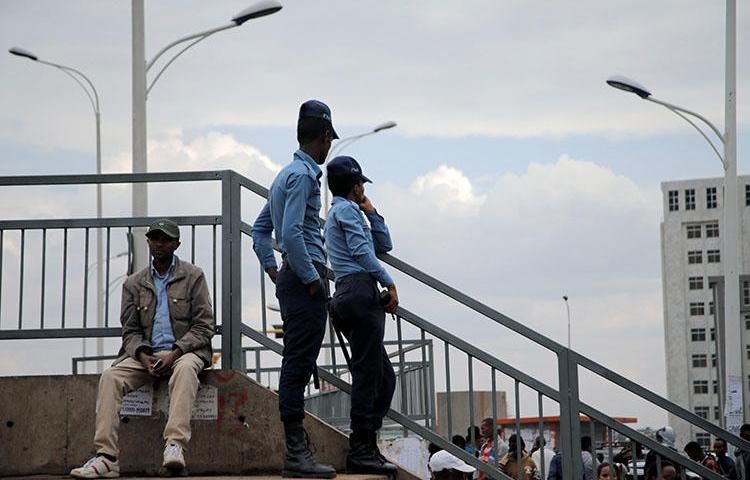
[355,276]
[319,267]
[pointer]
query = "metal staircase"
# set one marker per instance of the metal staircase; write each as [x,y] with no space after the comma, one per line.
[220,244]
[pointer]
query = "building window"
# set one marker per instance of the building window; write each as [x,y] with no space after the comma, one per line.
[716,386]
[713,360]
[747,195]
[695,283]
[674,201]
[713,256]
[702,411]
[713,334]
[747,349]
[699,360]
[690,199]
[717,414]
[747,321]
[700,386]
[693,231]
[703,439]
[746,294]
[698,334]
[711,308]
[712,230]
[695,257]
[711,197]
[697,308]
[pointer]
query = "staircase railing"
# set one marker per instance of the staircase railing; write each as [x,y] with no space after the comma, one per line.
[225,265]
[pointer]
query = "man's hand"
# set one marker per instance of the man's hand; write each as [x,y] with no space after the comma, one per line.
[391,306]
[167,361]
[314,287]
[272,274]
[366,205]
[147,361]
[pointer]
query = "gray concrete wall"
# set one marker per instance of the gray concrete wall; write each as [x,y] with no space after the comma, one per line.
[460,420]
[47,427]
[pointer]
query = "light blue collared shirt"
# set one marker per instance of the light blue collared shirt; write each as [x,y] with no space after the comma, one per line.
[162,335]
[352,244]
[292,211]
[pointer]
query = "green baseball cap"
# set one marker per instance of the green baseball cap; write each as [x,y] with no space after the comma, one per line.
[165,225]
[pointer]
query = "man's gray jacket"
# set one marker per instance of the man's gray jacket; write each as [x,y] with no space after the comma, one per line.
[190,312]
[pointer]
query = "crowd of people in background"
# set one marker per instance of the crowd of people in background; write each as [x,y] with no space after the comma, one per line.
[544,463]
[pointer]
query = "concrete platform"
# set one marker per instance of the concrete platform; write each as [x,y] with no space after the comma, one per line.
[47,428]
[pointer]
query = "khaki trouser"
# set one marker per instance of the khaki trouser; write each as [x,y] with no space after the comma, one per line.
[130,375]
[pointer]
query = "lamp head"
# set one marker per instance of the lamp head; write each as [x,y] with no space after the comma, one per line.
[384,126]
[257,10]
[565,297]
[23,53]
[624,83]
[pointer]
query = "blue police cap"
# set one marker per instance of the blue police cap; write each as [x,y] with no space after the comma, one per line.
[317,109]
[343,165]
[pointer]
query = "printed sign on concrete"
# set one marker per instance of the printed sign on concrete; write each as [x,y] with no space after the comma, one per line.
[138,403]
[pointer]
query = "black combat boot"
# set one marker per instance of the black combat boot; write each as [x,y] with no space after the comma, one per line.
[364,456]
[299,461]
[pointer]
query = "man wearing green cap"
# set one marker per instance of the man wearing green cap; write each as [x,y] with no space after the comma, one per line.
[167,324]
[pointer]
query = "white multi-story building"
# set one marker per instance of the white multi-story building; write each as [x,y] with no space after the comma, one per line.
[693,291]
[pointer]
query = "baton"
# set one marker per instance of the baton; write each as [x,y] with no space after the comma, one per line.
[343,347]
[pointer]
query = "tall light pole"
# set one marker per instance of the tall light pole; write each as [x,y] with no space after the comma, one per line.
[141,89]
[567,308]
[733,386]
[346,142]
[88,87]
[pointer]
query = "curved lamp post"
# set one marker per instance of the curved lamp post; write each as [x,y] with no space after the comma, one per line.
[567,307]
[142,88]
[732,355]
[88,87]
[346,142]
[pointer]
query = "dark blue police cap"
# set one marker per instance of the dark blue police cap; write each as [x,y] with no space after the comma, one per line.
[317,109]
[343,165]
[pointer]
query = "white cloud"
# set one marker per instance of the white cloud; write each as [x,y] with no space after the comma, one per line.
[449,189]
[479,68]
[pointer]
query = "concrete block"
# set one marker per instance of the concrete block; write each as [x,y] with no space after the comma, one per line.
[48,427]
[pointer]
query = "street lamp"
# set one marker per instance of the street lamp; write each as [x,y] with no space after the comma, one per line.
[93,96]
[733,385]
[346,142]
[141,90]
[567,307]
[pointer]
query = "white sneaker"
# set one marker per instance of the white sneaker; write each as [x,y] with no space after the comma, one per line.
[173,458]
[97,467]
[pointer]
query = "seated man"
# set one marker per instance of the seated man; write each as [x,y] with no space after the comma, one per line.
[167,325]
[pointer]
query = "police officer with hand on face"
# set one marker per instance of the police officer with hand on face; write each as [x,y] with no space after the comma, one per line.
[358,309]
[292,211]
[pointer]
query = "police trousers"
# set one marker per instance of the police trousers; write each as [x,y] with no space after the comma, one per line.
[357,313]
[304,323]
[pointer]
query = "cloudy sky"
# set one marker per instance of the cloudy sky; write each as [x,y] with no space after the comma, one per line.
[515,173]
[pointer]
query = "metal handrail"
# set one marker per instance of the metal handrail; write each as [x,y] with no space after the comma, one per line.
[532,335]
[232,229]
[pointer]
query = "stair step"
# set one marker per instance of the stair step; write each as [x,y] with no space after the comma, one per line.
[340,476]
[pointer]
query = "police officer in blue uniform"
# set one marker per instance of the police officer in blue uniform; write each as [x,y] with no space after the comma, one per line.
[292,211]
[358,310]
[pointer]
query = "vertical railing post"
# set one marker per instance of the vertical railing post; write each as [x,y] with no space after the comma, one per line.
[570,424]
[231,273]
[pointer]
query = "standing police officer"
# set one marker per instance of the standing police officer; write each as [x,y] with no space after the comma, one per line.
[357,310]
[292,211]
